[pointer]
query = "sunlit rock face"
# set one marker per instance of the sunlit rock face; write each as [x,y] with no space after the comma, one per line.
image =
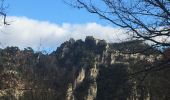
[78,70]
[83,59]
[86,61]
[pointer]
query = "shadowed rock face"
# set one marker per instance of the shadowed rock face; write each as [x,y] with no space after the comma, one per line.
[82,58]
[98,69]
[78,70]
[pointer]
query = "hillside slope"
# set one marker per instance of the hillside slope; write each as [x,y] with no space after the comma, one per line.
[82,70]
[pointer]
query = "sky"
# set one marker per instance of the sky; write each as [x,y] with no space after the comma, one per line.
[46,24]
[56,11]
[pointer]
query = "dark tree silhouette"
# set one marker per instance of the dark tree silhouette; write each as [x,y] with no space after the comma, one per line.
[2,11]
[144,19]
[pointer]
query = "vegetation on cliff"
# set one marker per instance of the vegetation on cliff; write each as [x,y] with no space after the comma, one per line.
[84,70]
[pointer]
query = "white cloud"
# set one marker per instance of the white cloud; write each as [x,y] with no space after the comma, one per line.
[25,32]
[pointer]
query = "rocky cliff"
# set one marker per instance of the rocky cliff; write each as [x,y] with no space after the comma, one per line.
[80,70]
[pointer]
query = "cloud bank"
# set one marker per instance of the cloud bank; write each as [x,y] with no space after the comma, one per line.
[24,32]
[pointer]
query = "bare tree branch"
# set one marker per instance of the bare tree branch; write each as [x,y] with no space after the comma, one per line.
[2,12]
[148,19]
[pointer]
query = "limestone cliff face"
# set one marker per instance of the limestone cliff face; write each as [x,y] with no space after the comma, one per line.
[86,59]
[83,59]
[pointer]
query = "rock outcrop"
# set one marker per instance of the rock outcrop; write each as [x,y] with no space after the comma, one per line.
[86,59]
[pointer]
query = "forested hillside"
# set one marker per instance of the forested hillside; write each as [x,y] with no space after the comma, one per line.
[85,70]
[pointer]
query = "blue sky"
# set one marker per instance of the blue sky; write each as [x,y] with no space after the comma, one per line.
[55,11]
[50,23]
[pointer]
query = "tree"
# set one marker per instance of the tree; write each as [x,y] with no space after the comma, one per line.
[112,83]
[144,19]
[2,12]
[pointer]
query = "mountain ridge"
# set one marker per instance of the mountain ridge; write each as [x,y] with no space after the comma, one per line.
[78,70]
